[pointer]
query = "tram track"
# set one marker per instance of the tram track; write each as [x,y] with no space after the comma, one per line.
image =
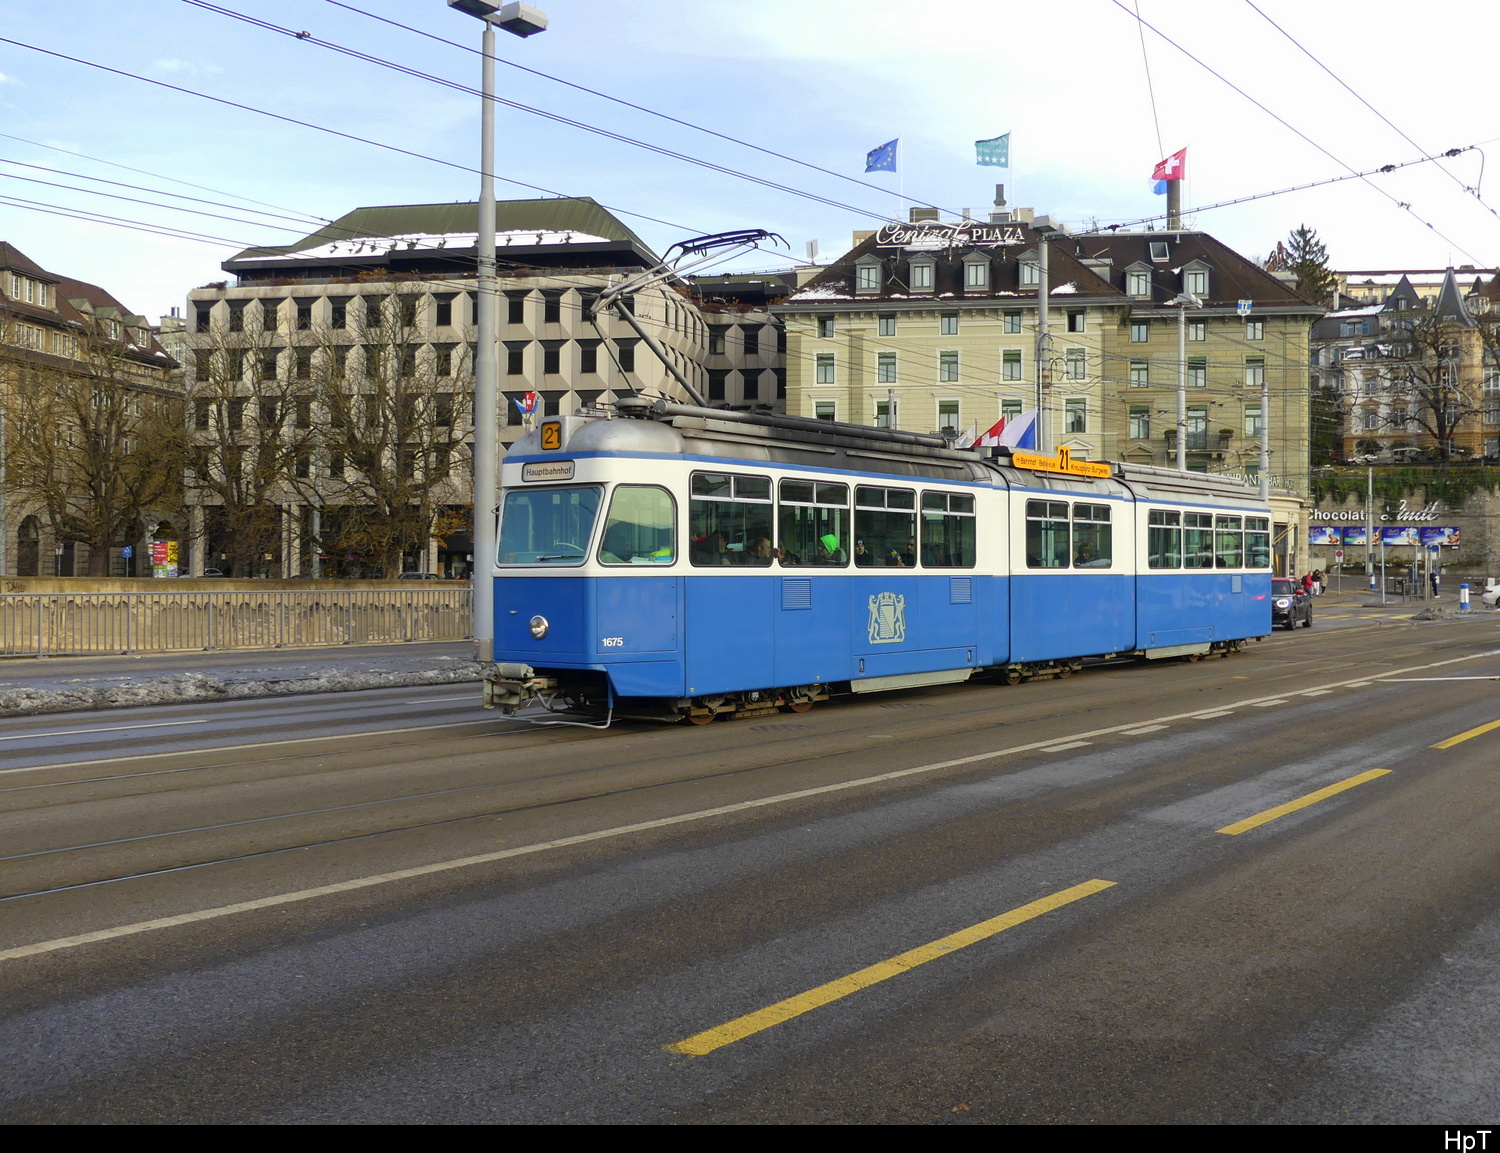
[185,863]
[553,736]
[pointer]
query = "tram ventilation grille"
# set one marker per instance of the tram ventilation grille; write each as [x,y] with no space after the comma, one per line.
[960,590]
[796,593]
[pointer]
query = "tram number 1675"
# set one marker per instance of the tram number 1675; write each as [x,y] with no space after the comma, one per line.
[611,642]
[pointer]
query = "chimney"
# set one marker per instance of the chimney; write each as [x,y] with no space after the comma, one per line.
[923,215]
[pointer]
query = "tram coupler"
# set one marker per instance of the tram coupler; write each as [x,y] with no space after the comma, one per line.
[511,687]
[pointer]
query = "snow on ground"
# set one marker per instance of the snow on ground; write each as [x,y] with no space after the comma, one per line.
[117,692]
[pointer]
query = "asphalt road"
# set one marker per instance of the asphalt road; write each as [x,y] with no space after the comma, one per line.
[1248,889]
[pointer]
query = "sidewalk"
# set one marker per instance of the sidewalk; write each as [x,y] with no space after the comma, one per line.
[71,684]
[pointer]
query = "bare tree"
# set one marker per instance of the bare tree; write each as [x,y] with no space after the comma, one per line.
[393,439]
[250,404]
[96,444]
[1429,373]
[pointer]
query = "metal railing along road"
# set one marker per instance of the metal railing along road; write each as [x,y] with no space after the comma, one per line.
[59,624]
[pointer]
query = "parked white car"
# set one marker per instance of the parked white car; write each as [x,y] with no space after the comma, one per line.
[1490,596]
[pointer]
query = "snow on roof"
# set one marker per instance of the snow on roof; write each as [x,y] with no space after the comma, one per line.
[1371,310]
[1064,289]
[430,241]
[821,293]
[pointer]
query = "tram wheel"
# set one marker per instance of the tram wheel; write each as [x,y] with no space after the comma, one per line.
[799,706]
[1064,672]
[1193,658]
[1013,676]
[701,718]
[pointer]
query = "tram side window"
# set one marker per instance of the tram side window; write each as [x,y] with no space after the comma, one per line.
[814,523]
[1047,534]
[1197,540]
[1229,549]
[547,525]
[1163,539]
[641,528]
[1093,538]
[948,530]
[885,527]
[729,520]
[1257,542]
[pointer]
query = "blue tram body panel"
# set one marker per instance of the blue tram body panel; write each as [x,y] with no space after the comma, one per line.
[1058,615]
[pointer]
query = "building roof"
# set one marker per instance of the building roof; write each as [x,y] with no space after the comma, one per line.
[1450,303]
[569,231]
[1232,277]
[75,303]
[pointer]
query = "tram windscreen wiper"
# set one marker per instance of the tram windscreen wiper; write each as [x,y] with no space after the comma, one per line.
[542,558]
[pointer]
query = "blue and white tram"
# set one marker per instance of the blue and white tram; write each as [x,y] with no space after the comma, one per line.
[685,563]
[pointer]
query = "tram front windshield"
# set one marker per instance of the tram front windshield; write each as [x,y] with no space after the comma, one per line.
[547,525]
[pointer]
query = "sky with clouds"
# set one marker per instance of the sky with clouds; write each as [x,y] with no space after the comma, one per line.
[819,81]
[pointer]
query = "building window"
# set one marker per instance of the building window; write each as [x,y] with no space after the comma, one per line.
[1196,282]
[948,415]
[1252,421]
[825,368]
[1140,331]
[976,274]
[1030,274]
[867,278]
[237,317]
[1140,422]
[268,366]
[883,414]
[948,324]
[551,308]
[885,368]
[515,308]
[442,312]
[588,359]
[1076,364]
[825,409]
[1010,364]
[750,383]
[1012,322]
[1197,330]
[750,338]
[1140,373]
[515,361]
[921,277]
[948,366]
[1371,420]
[1255,330]
[201,409]
[627,356]
[887,324]
[302,358]
[1075,319]
[373,311]
[1010,409]
[716,342]
[1197,372]
[202,317]
[29,337]
[1255,371]
[1075,418]
[716,380]
[338,314]
[1138,284]
[551,361]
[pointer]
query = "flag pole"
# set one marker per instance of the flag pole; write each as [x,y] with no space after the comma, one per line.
[900,182]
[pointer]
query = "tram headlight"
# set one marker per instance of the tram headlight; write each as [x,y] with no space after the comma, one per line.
[1281,603]
[539,627]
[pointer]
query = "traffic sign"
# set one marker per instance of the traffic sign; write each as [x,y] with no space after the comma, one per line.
[1338,554]
[127,552]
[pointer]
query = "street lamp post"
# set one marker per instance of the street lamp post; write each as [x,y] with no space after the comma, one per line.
[519,20]
[1183,301]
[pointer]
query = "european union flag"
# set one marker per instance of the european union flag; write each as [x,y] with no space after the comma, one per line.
[883,159]
[995,152]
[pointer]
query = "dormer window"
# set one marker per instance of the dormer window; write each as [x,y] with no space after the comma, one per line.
[1159,251]
[922,275]
[30,291]
[976,271]
[1138,280]
[1195,278]
[867,274]
[1031,274]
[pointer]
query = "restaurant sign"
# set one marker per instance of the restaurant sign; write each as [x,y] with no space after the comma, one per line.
[933,234]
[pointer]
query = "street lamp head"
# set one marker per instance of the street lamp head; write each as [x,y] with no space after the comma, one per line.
[1183,298]
[518,19]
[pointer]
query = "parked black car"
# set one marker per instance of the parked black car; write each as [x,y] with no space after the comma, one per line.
[1290,606]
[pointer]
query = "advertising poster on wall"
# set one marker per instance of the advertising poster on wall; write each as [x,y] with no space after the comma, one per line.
[1432,535]
[1399,534]
[1356,535]
[1325,534]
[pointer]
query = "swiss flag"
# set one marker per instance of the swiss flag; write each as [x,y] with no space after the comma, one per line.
[1174,167]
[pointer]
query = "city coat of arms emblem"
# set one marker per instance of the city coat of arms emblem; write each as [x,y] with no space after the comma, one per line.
[887,619]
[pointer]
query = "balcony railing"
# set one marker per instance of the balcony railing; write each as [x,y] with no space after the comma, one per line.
[1200,440]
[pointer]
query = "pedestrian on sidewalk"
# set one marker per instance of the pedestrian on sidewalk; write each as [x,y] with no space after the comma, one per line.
[1318,581]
